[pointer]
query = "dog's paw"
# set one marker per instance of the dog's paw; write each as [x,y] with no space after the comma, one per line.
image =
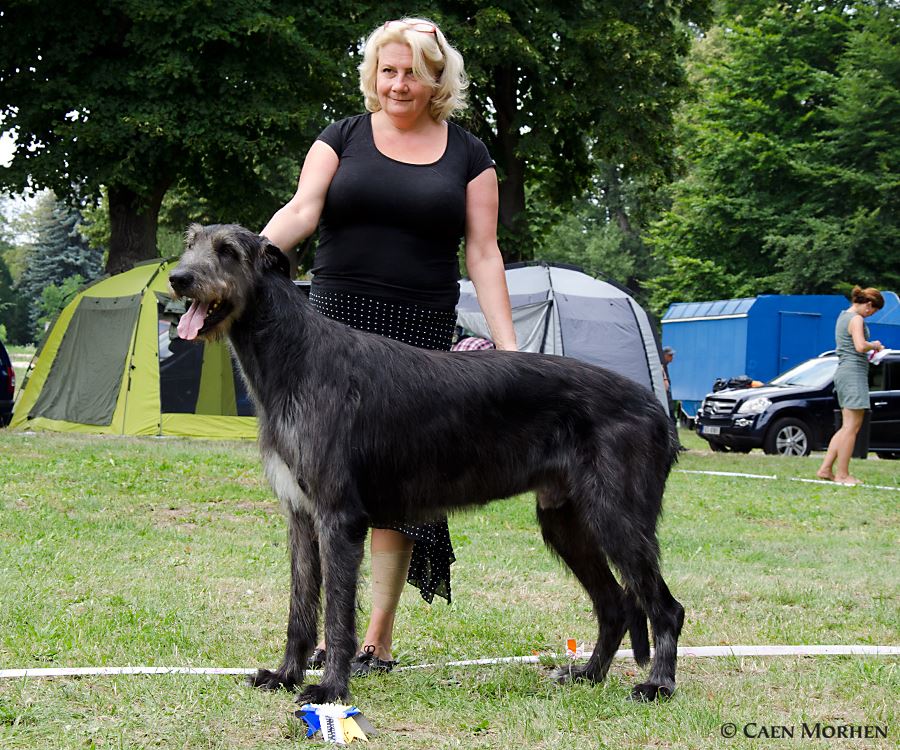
[571,673]
[649,691]
[323,693]
[266,679]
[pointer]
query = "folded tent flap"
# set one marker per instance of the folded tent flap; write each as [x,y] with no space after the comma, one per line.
[85,379]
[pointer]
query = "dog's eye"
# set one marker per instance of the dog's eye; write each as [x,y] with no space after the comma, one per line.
[227,249]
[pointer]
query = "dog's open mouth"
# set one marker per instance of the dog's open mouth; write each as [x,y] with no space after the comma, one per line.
[201,318]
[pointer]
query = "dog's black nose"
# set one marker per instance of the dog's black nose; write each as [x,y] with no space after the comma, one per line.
[181,281]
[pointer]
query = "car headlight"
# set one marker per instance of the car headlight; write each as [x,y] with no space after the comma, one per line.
[754,406]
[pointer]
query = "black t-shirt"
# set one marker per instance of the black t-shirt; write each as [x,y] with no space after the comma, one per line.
[391,229]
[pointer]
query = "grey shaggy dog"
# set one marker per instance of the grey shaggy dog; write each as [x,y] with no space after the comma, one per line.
[358,430]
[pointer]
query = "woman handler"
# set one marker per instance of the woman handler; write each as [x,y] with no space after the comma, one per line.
[393,192]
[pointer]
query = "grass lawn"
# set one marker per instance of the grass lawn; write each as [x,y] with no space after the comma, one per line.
[172,553]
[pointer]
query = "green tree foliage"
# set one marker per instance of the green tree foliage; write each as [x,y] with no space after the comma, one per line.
[12,251]
[584,238]
[55,297]
[95,225]
[692,279]
[602,233]
[147,94]
[13,310]
[792,152]
[849,231]
[7,292]
[559,86]
[215,102]
[58,253]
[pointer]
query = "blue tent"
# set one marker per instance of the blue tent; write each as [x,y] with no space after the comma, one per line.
[756,336]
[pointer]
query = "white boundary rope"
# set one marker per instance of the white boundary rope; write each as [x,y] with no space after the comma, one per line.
[684,651]
[790,479]
[726,474]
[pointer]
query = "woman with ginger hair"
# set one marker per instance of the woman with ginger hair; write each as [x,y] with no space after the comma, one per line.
[851,381]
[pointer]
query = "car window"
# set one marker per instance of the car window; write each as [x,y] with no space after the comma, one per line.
[877,378]
[891,375]
[814,373]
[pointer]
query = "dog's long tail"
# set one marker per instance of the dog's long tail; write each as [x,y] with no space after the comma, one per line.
[638,630]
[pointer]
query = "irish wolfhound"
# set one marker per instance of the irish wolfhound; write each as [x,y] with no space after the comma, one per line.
[358,430]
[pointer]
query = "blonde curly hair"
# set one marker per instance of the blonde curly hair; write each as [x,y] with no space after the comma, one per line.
[435,63]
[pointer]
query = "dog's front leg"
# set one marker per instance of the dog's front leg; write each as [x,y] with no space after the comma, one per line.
[341,541]
[306,582]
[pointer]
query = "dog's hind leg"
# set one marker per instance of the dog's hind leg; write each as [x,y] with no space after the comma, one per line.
[666,618]
[637,629]
[342,536]
[306,582]
[579,548]
[635,553]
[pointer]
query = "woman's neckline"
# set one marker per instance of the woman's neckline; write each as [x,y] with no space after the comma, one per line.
[401,161]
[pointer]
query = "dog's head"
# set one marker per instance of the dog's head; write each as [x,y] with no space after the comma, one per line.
[218,272]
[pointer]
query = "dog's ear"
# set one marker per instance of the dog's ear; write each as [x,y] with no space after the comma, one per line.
[272,259]
[191,233]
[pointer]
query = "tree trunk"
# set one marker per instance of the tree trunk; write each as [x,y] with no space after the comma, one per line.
[615,203]
[133,222]
[633,244]
[515,244]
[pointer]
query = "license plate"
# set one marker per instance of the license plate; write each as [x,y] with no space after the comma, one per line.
[711,429]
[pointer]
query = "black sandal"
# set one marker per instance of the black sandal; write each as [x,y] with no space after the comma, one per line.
[317,660]
[366,663]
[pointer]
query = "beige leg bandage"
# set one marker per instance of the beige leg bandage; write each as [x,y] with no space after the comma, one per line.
[389,571]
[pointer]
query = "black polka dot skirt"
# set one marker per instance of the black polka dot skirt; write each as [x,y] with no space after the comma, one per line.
[429,569]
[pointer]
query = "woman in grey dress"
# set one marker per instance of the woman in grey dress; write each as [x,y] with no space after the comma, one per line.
[851,381]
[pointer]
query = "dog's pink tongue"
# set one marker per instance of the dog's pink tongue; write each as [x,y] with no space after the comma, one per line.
[192,321]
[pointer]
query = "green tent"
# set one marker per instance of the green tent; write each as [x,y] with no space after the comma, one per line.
[112,363]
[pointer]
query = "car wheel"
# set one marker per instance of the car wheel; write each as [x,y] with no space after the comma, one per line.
[788,437]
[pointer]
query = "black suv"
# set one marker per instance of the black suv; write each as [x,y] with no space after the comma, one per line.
[7,386]
[795,413]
